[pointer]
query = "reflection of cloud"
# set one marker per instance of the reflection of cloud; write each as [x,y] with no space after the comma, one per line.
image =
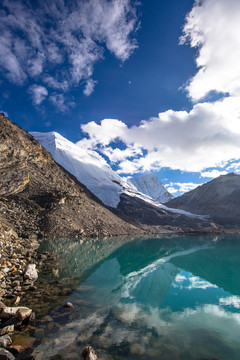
[191,282]
[133,279]
[230,301]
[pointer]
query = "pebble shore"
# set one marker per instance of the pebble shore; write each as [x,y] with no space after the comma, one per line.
[19,265]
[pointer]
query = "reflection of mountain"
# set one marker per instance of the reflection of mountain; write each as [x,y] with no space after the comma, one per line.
[75,257]
[152,288]
[148,285]
[137,254]
[135,296]
[219,265]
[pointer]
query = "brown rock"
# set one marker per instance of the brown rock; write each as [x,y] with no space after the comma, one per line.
[6,330]
[23,313]
[8,312]
[17,301]
[22,343]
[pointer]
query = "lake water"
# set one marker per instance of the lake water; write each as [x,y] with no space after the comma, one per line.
[157,298]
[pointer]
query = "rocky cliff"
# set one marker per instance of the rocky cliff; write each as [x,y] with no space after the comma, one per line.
[39,196]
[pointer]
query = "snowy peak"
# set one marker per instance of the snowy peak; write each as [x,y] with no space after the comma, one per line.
[90,168]
[54,142]
[151,186]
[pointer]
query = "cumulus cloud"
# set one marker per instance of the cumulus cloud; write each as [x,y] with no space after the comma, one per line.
[178,187]
[213,173]
[176,139]
[38,39]
[208,135]
[213,28]
[38,93]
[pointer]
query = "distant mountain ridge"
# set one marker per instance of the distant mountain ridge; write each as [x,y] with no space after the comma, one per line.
[219,198]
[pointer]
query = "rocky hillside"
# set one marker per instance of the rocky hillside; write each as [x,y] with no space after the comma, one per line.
[219,198]
[39,196]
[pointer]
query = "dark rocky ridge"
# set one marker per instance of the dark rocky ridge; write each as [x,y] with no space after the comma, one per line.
[156,220]
[219,198]
[38,196]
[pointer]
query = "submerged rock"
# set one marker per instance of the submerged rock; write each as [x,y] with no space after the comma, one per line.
[22,343]
[68,305]
[89,353]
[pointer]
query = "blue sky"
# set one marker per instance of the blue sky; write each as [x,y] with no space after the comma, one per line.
[153,85]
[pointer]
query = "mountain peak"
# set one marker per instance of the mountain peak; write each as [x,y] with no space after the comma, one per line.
[150,185]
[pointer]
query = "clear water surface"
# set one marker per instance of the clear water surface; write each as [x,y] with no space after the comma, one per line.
[148,298]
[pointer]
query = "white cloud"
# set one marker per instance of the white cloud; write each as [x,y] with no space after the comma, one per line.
[89,88]
[38,93]
[181,187]
[234,167]
[213,27]
[108,131]
[192,282]
[230,301]
[176,139]
[55,84]
[213,173]
[60,102]
[38,40]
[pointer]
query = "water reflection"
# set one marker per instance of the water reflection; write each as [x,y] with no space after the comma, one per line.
[166,298]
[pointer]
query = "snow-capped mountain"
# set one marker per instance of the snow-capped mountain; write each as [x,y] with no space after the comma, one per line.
[87,166]
[92,170]
[150,185]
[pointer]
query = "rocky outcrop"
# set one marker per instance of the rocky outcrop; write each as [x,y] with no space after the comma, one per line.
[219,198]
[39,196]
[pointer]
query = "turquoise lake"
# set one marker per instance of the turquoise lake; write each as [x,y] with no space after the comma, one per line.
[148,298]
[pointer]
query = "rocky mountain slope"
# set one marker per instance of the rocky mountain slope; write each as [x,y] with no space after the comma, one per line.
[219,198]
[39,196]
[150,185]
[155,219]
